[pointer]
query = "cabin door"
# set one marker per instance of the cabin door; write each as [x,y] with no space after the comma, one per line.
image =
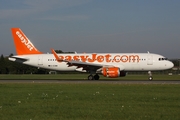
[40,60]
[149,60]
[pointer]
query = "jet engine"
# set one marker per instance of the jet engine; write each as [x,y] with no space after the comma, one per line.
[113,72]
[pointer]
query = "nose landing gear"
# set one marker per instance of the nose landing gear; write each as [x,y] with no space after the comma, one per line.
[150,75]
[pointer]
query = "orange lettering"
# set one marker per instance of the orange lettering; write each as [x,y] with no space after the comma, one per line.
[76,58]
[124,58]
[84,58]
[93,58]
[116,58]
[100,58]
[61,57]
[68,58]
[107,57]
[134,58]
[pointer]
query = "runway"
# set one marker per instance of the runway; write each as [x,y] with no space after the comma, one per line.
[95,81]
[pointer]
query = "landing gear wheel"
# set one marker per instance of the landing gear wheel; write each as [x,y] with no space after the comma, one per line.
[96,77]
[150,78]
[90,77]
[150,75]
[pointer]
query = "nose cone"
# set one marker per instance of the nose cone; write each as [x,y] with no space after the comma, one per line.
[170,65]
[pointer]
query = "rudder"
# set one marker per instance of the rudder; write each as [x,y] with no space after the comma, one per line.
[22,44]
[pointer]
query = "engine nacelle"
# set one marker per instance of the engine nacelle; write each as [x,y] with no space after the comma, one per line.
[113,72]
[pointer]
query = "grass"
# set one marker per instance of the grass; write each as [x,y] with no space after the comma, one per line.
[84,77]
[89,101]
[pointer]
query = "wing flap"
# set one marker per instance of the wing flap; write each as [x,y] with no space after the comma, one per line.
[84,65]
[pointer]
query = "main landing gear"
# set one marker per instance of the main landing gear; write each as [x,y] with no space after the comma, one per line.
[150,75]
[95,77]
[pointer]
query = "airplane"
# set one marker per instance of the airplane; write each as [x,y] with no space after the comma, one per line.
[110,65]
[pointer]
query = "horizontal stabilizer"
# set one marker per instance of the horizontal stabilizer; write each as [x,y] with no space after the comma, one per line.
[18,59]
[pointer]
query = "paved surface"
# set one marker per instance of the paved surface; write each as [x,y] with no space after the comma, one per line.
[95,81]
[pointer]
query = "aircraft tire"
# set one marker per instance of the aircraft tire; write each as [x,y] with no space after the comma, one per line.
[96,77]
[90,77]
[150,78]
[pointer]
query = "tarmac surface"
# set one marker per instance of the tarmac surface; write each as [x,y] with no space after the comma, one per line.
[95,81]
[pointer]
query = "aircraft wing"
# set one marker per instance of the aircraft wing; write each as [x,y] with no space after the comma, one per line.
[86,66]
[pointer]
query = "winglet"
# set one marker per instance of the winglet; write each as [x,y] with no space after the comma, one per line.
[56,56]
[22,44]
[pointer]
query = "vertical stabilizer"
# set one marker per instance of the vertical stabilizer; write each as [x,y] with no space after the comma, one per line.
[22,44]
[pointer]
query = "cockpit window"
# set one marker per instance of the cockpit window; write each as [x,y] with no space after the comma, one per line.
[161,59]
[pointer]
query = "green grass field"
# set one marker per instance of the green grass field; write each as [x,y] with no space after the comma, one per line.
[89,101]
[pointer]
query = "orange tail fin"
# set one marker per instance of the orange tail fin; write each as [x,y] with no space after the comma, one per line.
[22,43]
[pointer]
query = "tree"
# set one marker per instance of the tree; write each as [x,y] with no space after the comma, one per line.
[2,66]
[58,51]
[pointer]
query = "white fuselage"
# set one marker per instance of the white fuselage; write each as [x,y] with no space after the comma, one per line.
[125,61]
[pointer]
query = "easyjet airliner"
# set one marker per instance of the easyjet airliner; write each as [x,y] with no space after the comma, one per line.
[110,65]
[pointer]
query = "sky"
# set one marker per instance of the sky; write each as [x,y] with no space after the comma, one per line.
[94,26]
